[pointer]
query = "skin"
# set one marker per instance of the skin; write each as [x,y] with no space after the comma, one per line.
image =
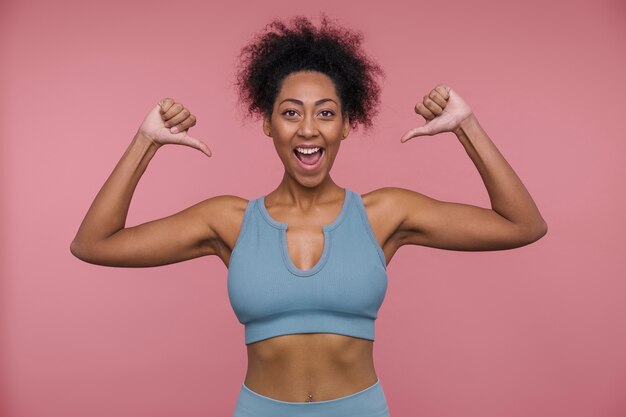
[323,366]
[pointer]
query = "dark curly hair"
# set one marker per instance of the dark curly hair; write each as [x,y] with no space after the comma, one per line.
[333,50]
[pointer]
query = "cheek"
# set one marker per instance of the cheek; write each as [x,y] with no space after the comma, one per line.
[284,130]
[282,145]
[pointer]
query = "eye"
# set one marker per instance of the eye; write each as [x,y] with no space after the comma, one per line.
[290,111]
[330,113]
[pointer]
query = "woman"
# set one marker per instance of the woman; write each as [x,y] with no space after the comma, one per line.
[307,262]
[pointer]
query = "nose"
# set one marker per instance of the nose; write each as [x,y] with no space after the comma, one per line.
[308,127]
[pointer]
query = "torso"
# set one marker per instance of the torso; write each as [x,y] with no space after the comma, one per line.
[313,366]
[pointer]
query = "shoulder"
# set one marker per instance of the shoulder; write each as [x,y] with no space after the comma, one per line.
[224,216]
[222,207]
[386,209]
[388,199]
[377,196]
[395,209]
[227,202]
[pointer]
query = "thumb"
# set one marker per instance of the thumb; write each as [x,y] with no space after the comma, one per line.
[425,130]
[198,144]
[183,138]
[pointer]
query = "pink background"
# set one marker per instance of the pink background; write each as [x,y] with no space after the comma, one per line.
[536,331]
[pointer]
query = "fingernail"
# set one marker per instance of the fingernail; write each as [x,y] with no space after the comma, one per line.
[174,129]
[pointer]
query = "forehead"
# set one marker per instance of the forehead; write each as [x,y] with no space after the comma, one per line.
[307,86]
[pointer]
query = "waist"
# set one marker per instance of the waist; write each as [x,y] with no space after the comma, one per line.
[324,365]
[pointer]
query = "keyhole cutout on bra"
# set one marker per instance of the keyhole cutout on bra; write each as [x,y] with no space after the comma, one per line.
[313,244]
[306,244]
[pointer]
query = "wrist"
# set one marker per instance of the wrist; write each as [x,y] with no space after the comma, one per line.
[467,124]
[146,140]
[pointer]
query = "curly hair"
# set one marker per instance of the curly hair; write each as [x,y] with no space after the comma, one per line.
[332,49]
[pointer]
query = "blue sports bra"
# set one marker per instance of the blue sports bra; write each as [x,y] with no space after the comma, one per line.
[341,294]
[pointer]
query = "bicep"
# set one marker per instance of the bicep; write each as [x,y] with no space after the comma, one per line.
[184,235]
[455,226]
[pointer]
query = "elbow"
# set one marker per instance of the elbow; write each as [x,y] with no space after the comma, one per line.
[537,231]
[74,249]
[530,233]
[78,251]
[541,229]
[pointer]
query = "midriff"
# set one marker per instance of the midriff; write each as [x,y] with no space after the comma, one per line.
[325,366]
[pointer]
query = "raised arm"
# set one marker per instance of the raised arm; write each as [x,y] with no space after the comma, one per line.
[513,219]
[102,237]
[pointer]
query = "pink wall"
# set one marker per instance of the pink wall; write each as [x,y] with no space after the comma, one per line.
[537,331]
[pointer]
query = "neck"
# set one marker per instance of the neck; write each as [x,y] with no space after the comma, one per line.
[291,192]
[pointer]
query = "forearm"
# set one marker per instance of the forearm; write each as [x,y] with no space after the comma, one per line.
[109,210]
[507,193]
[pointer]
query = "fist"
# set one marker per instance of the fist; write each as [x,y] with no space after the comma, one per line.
[443,109]
[169,122]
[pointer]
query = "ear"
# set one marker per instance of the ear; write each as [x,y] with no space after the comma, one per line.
[267,126]
[346,127]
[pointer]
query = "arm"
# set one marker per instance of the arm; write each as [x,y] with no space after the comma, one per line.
[102,238]
[513,220]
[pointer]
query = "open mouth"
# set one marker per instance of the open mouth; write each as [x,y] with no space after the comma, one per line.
[309,156]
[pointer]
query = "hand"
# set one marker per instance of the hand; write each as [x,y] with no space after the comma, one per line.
[443,108]
[160,124]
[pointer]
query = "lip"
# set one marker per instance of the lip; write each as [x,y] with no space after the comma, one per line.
[306,167]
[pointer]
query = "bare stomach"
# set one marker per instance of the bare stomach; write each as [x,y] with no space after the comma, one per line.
[310,367]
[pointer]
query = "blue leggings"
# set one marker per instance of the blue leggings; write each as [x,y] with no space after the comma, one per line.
[369,402]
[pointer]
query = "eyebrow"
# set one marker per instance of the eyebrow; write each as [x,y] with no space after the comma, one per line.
[318,102]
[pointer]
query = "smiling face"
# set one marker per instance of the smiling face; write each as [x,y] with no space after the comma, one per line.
[307,113]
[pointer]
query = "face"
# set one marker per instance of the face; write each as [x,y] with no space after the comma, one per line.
[307,112]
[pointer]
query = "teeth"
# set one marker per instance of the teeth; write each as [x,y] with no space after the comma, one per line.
[307,150]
